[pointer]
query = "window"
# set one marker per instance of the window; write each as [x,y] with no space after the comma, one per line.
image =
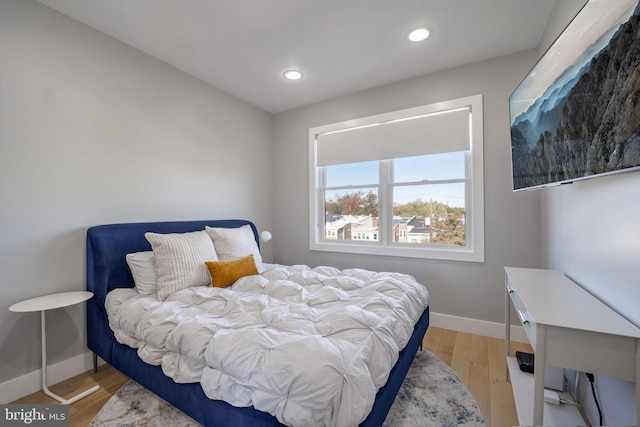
[407,183]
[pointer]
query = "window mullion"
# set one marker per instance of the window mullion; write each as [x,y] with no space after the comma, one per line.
[320,197]
[468,189]
[385,204]
[351,187]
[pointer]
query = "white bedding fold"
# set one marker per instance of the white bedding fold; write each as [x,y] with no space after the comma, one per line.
[310,346]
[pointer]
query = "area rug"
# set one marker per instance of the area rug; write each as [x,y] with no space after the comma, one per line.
[431,395]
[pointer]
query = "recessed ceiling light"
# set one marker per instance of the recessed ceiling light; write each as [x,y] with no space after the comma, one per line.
[292,75]
[418,35]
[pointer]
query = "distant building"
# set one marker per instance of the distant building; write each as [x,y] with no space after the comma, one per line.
[420,230]
[406,229]
[338,227]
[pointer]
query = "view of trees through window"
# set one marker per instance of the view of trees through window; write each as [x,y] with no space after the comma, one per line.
[356,203]
[353,215]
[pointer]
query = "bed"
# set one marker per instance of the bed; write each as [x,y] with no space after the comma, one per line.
[107,269]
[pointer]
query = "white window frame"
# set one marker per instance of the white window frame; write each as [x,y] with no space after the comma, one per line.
[473,251]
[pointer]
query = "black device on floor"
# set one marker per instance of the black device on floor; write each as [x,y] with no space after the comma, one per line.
[525,361]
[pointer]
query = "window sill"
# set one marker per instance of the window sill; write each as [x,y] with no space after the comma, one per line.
[449,253]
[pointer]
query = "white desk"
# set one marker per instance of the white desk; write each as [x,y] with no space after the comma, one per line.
[569,328]
[50,302]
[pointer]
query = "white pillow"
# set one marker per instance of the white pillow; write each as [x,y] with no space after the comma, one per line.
[143,271]
[234,243]
[180,260]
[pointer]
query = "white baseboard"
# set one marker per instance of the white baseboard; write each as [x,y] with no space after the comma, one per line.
[476,327]
[32,382]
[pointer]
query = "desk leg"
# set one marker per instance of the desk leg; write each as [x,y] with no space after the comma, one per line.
[44,371]
[538,378]
[507,324]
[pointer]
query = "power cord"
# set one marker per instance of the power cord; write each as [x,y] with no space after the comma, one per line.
[591,379]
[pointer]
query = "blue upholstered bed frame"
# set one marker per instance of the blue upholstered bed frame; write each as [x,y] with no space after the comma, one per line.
[107,269]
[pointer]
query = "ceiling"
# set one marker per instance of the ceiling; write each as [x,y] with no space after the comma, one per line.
[341,46]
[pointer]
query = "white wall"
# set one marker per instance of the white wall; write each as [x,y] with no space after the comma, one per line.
[93,131]
[472,290]
[589,227]
[563,12]
[590,231]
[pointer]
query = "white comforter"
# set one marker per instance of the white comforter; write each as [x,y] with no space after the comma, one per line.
[310,346]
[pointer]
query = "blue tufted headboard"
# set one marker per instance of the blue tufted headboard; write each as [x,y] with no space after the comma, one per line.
[107,246]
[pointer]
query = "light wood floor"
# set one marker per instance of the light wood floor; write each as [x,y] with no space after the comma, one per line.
[478,361]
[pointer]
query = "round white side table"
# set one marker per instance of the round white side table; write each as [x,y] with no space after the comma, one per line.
[50,302]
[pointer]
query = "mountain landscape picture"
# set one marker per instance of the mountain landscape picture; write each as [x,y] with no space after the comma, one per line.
[577,113]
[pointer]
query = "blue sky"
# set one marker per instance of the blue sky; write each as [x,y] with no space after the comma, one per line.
[411,169]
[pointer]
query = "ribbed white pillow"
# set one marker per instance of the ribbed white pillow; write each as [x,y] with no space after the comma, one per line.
[234,243]
[180,260]
[143,271]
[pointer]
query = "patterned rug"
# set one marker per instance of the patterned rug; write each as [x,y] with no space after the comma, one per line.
[431,395]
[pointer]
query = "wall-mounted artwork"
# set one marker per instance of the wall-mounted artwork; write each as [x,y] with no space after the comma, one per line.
[576,115]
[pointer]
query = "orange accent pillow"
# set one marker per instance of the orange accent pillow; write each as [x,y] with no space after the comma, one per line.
[225,273]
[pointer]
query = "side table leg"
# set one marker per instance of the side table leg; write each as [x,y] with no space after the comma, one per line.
[44,371]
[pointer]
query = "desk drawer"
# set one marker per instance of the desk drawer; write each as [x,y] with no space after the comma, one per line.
[528,324]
